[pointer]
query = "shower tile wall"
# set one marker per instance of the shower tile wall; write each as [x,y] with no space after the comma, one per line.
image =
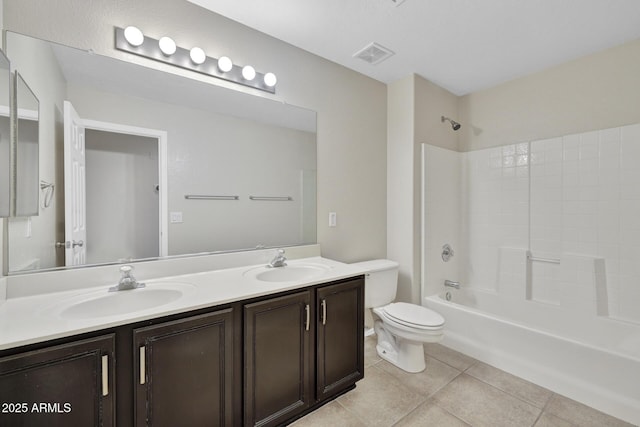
[495,203]
[577,194]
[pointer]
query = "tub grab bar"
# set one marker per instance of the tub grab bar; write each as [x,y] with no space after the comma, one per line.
[549,260]
[207,197]
[272,198]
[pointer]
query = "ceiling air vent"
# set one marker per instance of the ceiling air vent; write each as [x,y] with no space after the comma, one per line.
[373,53]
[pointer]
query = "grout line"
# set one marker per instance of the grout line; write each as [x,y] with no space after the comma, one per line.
[351,412]
[453,415]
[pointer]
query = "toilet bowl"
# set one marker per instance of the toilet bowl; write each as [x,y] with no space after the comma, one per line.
[401,328]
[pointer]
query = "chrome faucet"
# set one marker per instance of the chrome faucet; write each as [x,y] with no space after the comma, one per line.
[127,281]
[279,260]
[452,284]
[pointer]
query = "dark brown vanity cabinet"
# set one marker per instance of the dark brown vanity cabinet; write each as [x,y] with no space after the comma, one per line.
[64,385]
[301,349]
[184,372]
[259,362]
[340,337]
[277,349]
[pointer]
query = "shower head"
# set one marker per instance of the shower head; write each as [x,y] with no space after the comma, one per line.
[454,125]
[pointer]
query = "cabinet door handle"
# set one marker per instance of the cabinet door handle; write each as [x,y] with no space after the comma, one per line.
[143,368]
[324,311]
[105,375]
[308,310]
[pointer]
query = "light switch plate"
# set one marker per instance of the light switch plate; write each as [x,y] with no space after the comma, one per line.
[333,218]
[175,217]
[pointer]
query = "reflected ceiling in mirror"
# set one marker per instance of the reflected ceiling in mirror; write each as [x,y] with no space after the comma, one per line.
[149,140]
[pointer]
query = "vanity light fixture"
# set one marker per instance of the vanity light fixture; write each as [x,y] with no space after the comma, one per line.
[225,64]
[132,40]
[167,45]
[133,35]
[270,79]
[197,55]
[248,72]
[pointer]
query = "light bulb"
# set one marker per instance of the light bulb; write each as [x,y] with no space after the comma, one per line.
[167,45]
[248,72]
[224,64]
[133,35]
[197,55]
[270,79]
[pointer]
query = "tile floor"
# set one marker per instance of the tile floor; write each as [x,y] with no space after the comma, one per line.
[454,390]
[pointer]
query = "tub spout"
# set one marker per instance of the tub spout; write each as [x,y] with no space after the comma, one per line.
[452,284]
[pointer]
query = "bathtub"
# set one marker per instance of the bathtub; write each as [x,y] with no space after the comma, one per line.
[594,360]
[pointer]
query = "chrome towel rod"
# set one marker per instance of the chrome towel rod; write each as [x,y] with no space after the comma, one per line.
[549,260]
[272,198]
[206,197]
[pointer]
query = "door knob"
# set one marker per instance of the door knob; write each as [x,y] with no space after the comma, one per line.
[69,244]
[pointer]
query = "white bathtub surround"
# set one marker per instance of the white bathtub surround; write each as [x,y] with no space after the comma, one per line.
[571,195]
[594,360]
[514,272]
[583,286]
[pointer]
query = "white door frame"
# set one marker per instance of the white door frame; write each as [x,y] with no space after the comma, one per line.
[161,137]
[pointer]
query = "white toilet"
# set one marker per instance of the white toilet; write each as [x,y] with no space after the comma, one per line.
[401,328]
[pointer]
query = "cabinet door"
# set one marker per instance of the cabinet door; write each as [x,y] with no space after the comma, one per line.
[184,372]
[277,353]
[340,337]
[64,385]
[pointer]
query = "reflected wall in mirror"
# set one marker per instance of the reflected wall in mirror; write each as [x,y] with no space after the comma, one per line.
[148,139]
[27,155]
[5,137]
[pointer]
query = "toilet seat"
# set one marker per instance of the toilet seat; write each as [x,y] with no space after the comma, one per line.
[413,316]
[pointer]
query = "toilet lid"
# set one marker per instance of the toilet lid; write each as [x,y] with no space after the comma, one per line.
[413,315]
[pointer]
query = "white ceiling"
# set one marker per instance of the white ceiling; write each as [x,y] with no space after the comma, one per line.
[461,45]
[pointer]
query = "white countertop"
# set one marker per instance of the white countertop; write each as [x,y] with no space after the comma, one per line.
[31,319]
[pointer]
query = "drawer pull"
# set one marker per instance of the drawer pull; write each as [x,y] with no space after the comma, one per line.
[143,368]
[105,375]
[324,311]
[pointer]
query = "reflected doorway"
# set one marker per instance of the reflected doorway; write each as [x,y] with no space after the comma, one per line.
[122,193]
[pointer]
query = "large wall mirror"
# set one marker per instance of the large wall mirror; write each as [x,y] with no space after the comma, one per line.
[136,163]
[5,137]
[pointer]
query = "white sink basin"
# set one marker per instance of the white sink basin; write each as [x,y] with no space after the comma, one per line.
[104,303]
[289,273]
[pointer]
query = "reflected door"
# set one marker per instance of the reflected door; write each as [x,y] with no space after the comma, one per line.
[75,209]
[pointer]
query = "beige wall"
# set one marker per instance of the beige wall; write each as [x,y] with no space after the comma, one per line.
[594,92]
[351,107]
[400,191]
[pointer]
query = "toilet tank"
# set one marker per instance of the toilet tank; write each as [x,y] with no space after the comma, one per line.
[381,282]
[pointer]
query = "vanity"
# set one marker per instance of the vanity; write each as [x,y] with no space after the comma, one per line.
[250,345]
